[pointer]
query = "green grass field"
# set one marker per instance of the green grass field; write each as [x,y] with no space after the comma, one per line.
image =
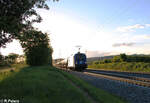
[123,66]
[47,84]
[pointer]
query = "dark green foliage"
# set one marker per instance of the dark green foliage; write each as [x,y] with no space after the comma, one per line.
[123,57]
[15,17]
[39,56]
[123,66]
[107,61]
[138,59]
[124,62]
[116,59]
[1,57]
[1,60]
[11,58]
[96,62]
[36,47]
[129,58]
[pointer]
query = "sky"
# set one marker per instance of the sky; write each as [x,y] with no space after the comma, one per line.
[100,27]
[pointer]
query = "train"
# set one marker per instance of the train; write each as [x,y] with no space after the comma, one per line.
[77,62]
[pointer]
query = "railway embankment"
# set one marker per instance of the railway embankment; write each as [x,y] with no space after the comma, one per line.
[45,84]
[131,92]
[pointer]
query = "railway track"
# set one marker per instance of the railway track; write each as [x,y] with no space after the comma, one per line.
[136,80]
[136,74]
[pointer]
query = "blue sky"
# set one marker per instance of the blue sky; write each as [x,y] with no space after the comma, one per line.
[108,15]
[111,12]
[101,27]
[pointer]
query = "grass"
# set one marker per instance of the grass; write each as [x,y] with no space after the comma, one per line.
[123,66]
[99,95]
[47,84]
[5,72]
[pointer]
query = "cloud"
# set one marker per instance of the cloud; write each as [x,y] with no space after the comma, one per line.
[142,37]
[132,27]
[98,53]
[122,44]
[148,25]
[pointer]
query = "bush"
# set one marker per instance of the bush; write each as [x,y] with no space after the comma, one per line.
[37,48]
[11,58]
[107,61]
[116,59]
[123,57]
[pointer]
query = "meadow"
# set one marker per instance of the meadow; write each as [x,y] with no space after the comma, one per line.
[123,62]
[123,66]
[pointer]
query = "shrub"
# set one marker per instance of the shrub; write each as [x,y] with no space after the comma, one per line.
[116,59]
[107,61]
[37,48]
[123,57]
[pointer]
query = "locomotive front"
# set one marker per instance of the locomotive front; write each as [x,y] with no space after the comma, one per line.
[80,61]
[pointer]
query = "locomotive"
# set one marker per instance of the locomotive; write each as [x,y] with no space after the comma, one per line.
[77,62]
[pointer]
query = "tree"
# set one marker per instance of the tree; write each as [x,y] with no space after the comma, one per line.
[1,59]
[116,59]
[12,58]
[123,57]
[107,60]
[36,47]
[15,17]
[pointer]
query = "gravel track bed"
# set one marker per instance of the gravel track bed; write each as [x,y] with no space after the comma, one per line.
[123,73]
[131,93]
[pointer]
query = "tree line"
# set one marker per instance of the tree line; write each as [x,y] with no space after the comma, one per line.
[16,22]
[125,58]
[11,59]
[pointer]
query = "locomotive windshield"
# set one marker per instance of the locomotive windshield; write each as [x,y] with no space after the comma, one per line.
[81,57]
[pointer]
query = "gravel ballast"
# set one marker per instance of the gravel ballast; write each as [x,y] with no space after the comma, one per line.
[131,93]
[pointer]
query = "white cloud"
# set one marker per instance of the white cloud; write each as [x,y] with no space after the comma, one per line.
[148,25]
[99,53]
[142,37]
[123,44]
[132,27]
[129,39]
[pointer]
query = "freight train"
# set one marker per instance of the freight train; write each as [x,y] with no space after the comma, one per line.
[77,62]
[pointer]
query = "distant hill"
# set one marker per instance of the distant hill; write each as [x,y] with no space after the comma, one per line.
[91,59]
[140,55]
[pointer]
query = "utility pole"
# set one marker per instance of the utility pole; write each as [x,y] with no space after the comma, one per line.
[79,47]
[59,53]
